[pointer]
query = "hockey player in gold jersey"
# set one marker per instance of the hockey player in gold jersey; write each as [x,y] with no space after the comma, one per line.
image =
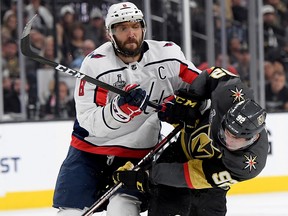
[218,147]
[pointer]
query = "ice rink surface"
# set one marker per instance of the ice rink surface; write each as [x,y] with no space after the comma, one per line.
[272,204]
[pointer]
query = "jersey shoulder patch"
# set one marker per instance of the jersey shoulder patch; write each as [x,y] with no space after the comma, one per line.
[217,72]
[168,44]
[92,55]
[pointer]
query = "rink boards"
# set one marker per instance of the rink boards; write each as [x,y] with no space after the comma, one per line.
[31,155]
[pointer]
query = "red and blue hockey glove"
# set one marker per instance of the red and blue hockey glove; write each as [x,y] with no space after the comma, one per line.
[132,179]
[181,107]
[125,108]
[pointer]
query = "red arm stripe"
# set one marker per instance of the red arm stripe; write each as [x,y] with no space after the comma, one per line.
[100,96]
[186,74]
[187,176]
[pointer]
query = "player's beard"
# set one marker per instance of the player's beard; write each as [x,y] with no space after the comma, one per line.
[127,51]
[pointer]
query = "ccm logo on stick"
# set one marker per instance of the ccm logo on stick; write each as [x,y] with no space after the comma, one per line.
[69,71]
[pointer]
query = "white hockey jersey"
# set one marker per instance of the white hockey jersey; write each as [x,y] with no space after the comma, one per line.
[162,69]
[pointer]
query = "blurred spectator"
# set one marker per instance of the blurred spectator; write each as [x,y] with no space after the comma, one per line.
[13,7]
[75,43]
[95,29]
[234,48]
[268,71]
[5,5]
[239,11]
[67,18]
[66,105]
[281,55]
[280,7]
[219,63]
[88,47]
[220,59]
[273,34]
[37,40]
[243,65]
[233,28]
[228,10]
[9,27]
[47,51]
[7,91]
[198,26]
[10,59]
[284,58]
[13,101]
[277,91]
[44,21]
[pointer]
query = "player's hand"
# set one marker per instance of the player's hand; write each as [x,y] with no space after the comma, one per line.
[125,108]
[132,179]
[181,107]
[127,166]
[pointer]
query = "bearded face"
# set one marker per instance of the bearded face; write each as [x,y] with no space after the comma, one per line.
[130,47]
[127,37]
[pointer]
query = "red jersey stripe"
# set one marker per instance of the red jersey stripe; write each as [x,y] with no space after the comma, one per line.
[108,150]
[101,96]
[186,74]
[187,176]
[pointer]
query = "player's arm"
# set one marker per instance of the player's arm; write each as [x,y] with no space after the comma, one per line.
[183,71]
[209,80]
[181,175]
[187,70]
[186,105]
[194,174]
[101,114]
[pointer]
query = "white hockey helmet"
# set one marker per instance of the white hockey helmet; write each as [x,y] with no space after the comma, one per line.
[123,12]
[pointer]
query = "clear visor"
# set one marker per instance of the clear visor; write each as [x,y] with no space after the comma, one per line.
[233,143]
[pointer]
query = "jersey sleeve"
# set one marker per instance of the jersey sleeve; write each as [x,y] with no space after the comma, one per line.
[171,174]
[222,171]
[211,79]
[182,175]
[194,174]
[187,72]
[93,106]
[172,64]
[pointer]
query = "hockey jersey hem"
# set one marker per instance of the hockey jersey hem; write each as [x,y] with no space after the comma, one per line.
[108,150]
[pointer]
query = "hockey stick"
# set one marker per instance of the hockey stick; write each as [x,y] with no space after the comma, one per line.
[27,51]
[148,158]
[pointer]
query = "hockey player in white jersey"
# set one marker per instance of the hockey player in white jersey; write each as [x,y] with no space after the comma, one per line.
[111,129]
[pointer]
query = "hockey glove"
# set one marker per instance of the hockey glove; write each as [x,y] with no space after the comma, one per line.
[127,166]
[132,179]
[125,108]
[181,107]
